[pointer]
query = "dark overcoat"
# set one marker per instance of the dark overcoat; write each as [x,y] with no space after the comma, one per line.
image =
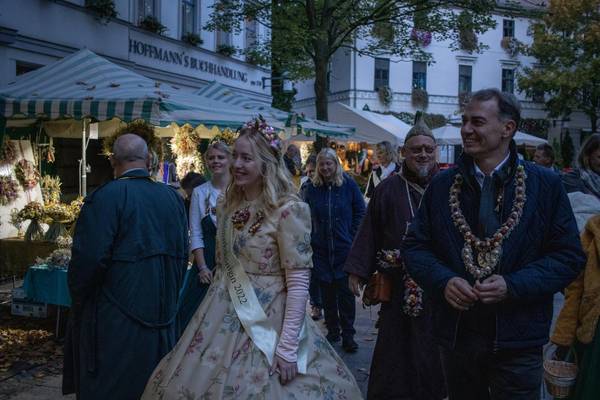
[130,251]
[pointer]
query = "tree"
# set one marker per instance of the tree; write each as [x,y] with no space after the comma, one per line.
[567,151]
[566,43]
[306,33]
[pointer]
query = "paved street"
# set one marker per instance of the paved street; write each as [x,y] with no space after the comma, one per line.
[29,387]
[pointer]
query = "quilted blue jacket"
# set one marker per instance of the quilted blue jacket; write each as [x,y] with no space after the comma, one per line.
[336,212]
[541,256]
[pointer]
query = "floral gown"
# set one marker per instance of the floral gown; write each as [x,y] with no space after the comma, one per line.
[216,359]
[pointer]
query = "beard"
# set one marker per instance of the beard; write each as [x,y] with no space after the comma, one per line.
[423,171]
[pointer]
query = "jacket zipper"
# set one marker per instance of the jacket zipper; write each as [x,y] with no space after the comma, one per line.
[496,347]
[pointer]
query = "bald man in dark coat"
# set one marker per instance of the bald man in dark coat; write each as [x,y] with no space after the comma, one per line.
[130,253]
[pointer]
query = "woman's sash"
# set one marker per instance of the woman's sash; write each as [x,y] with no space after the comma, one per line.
[246,304]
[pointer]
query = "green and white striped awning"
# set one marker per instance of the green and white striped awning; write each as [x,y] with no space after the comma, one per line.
[218,93]
[81,85]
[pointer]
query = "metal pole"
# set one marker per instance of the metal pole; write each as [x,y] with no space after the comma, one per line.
[86,127]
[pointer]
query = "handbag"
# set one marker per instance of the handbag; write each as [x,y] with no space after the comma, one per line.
[378,290]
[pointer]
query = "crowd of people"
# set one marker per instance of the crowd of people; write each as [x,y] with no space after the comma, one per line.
[464,262]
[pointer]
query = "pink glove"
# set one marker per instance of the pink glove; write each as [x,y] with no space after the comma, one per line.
[295,308]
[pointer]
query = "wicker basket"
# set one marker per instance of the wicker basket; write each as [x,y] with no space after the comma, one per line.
[560,376]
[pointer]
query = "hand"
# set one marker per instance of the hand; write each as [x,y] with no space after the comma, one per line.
[561,352]
[492,290]
[356,284]
[205,275]
[286,370]
[459,294]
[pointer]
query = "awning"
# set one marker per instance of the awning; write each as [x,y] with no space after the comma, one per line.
[370,127]
[450,135]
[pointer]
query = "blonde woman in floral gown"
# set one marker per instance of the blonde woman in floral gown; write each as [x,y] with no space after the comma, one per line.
[250,338]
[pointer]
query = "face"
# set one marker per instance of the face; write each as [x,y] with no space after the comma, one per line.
[540,159]
[483,133]
[419,154]
[382,157]
[217,161]
[595,161]
[246,166]
[310,170]
[326,168]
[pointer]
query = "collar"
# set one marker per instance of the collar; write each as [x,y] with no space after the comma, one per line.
[135,173]
[466,167]
[480,176]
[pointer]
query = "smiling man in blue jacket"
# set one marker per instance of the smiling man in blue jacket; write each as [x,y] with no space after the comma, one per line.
[494,239]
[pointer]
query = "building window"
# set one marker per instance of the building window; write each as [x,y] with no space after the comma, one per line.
[508,80]
[382,72]
[24,67]
[419,80]
[508,28]
[188,16]
[224,38]
[465,77]
[251,33]
[146,8]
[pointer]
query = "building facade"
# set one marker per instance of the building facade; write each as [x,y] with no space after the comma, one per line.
[37,32]
[357,80]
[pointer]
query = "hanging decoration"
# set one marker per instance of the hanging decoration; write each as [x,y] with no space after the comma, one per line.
[50,188]
[185,148]
[8,152]
[27,174]
[146,132]
[9,190]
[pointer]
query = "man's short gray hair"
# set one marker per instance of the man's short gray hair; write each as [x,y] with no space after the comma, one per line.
[509,107]
[130,147]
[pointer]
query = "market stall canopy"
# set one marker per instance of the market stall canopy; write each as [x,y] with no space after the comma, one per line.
[370,127]
[85,85]
[219,94]
[450,135]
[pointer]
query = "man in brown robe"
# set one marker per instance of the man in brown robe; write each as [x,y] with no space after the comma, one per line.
[406,362]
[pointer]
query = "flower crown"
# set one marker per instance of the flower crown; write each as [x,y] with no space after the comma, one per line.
[226,136]
[266,131]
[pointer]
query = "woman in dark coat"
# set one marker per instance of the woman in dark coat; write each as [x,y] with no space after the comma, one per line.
[337,207]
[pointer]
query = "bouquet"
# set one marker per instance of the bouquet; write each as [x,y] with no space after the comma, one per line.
[60,257]
[60,215]
[50,188]
[8,190]
[8,152]
[26,173]
[34,212]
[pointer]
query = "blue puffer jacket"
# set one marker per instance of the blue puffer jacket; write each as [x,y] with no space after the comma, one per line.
[541,256]
[336,212]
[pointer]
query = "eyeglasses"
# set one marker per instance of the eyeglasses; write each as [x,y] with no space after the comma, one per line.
[418,150]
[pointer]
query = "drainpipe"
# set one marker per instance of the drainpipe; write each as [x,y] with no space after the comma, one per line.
[354,74]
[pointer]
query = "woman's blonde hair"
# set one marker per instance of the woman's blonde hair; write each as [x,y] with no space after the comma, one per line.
[277,184]
[220,146]
[338,178]
[387,149]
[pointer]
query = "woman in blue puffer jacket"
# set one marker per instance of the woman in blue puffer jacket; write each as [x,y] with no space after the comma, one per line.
[337,208]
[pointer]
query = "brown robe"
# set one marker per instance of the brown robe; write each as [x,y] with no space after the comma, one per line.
[406,362]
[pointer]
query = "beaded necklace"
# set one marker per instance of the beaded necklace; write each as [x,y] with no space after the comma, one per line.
[489,250]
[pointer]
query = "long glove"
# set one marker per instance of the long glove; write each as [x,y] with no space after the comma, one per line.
[295,309]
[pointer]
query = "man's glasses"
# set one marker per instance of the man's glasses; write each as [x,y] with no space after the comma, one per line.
[418,150]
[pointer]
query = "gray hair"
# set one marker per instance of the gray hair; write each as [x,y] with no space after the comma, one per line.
[509,107]
[130,147]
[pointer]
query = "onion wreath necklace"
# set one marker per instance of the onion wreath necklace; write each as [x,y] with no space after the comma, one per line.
[489,250]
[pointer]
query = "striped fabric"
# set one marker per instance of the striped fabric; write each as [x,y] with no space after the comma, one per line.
[84,84]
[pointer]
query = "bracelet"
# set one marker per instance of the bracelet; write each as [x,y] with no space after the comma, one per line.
[201,267]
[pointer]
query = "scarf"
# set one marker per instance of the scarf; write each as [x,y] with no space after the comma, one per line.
[591,181]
